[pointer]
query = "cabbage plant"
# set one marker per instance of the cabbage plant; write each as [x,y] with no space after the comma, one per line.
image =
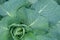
[30,20]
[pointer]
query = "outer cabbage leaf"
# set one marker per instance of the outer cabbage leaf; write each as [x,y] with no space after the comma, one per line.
[2,12]
[12,6]
[49,8]
[55,31]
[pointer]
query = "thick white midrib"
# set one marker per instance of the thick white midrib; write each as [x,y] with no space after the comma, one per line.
[41,10]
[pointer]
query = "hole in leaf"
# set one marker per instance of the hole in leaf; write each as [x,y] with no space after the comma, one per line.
[58,2]
[1,17]
[3,1]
